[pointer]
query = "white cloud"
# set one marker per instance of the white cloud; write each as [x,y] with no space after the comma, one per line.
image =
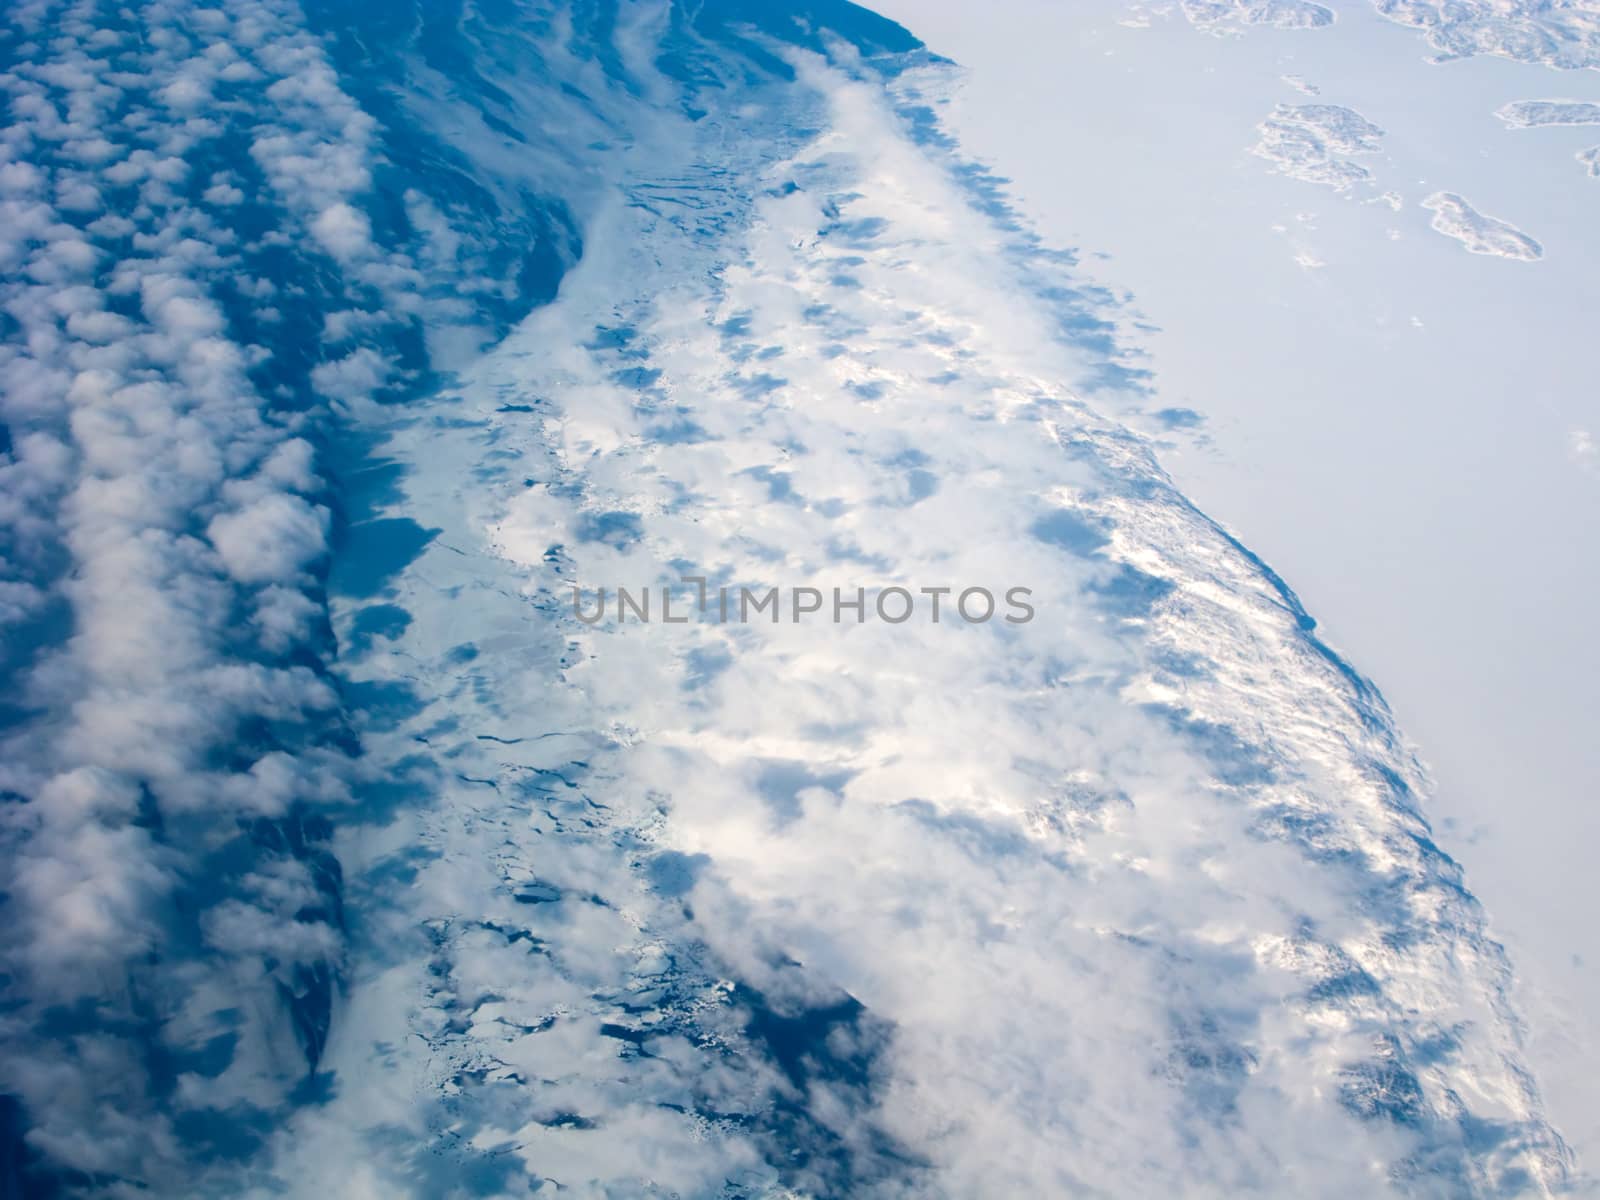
[270,541]
[355,376]
[343,232]
[285,617]
[223,194]
[133,428]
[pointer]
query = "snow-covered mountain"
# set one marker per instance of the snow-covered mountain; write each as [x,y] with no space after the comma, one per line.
[350,351]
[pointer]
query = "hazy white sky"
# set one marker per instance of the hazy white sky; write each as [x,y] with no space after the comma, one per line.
[1403,429]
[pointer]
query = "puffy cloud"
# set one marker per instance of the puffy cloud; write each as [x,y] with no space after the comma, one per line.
[88,885]
[223,194]
[343,232]
[285,617]
[18,601]
[100,327]
[271,540]
[160,557]
[354,377]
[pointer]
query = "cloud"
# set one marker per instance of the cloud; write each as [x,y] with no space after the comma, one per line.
[223,194]
[271,540]
[355,376]
[166,761]
[343,232]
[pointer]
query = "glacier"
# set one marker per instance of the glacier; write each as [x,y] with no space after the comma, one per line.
[341,342]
